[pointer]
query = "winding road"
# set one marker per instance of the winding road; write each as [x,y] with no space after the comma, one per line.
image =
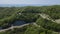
[45,16]
[12,27]
[42,15]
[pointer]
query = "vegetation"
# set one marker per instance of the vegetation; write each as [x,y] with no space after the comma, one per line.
[9,15]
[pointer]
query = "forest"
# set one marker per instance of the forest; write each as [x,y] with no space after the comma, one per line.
[29,14]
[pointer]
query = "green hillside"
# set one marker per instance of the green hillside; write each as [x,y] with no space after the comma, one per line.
[31,14]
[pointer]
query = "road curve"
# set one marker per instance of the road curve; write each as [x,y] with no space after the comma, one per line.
[12,27]
[45,16]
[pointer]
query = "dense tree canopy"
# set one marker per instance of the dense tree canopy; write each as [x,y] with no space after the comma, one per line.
[9,15]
